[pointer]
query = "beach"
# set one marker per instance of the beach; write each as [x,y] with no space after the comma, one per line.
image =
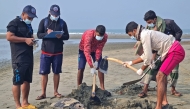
[116,76]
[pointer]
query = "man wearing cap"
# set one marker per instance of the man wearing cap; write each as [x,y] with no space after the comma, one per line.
[20,36]
[52,49]
[91,46]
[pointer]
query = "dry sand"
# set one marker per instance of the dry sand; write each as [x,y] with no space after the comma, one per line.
[116,76]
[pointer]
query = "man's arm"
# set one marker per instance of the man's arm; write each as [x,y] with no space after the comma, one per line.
[177,30]
[100,48]
[65,35]
[10,36]
[41,33]
[87,48]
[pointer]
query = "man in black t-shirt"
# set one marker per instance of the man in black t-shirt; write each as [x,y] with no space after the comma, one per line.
[20,36]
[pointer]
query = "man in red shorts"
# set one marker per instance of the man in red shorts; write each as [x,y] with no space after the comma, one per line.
[170,50]
[91,45]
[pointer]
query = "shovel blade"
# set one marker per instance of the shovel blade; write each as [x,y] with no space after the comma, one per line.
[95,100]
[131,82]
[103,66]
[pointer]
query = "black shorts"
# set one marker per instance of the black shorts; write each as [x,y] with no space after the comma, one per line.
[22,72]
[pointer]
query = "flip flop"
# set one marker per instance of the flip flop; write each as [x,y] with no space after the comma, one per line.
[108,94]
[58,95]
[167,106]
[142,95]
[40,97]
[29,107]
[20,108]
[175,93]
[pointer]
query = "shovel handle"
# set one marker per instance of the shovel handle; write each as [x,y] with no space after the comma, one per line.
[93,85]
[121,62]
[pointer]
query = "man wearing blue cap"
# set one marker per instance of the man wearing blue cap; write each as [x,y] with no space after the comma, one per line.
[20,36]
[52,49]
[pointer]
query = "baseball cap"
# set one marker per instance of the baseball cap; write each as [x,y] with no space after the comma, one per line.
[30,10]
[55,10]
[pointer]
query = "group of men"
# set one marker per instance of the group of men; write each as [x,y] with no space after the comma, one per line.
[20,36]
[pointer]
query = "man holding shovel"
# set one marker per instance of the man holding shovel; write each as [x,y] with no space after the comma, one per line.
[91,45]
[170,50]
[166,26]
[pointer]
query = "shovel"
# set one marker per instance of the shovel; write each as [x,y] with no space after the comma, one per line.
[94,100]
[135,81]
[104,64]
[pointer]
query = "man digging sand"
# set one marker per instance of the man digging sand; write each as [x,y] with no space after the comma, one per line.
[91,45]
[170,50]
[166,26]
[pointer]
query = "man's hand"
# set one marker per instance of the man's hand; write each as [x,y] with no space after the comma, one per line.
[96,64]
[140,72]
[152,65]
[92,71]
[127,63]
[58,36]
[29,41]
[49,31]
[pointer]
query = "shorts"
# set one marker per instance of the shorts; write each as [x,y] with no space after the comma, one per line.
[46,61]
[174,56]
[82,59]
[22,72]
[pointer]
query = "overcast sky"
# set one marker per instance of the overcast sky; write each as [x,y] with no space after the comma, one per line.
[85,14]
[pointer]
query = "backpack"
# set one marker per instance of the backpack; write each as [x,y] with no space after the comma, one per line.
[61,21]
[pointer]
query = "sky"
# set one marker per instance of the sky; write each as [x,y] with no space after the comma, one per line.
[87,14]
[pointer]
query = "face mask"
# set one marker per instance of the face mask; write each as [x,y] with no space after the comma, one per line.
[54,18]
[133,38]
[151,25]
[27,21]
[99,38]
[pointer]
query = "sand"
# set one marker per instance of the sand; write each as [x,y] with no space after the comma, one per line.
[113,36]
[116,76]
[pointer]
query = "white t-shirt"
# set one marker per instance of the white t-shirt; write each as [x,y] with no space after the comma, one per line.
[155,40]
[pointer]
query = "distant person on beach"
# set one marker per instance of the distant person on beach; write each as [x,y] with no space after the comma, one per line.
[170,50]
[52,49]
[168,27]
[20,36]
[91,45]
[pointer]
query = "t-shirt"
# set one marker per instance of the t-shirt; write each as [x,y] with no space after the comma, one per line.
[155,40]
[89,44]
[20,52]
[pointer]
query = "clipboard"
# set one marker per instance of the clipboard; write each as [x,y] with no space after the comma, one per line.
[53,34]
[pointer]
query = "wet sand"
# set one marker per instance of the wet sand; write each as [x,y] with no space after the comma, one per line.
[116,76]
[112,36]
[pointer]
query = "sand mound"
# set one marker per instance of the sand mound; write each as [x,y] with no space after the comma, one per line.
[131,90]
[125,98]
[84,92]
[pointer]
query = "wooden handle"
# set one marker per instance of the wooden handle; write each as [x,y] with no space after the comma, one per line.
[121,62]
[94,85]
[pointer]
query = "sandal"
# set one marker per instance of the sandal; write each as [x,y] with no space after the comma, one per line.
[167,106]
[58,95]
[142,95]
[29,107]
[41,97]
[108,94]
[175,93]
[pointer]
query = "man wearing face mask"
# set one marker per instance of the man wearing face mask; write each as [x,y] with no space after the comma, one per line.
[20,36]
[168,48]
[91,45]
[166,26]
[52,49]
